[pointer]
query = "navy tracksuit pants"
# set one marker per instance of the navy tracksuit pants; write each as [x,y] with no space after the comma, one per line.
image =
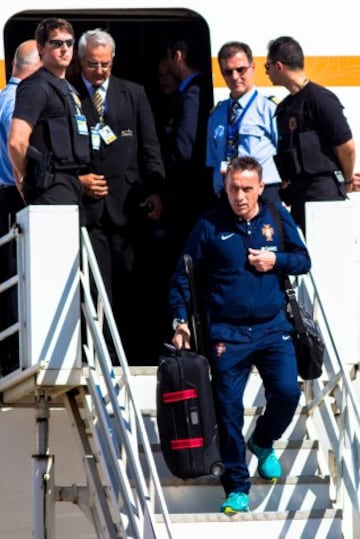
[233,351]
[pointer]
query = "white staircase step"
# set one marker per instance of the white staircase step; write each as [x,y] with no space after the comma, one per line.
[298,505]
[296,430]
[280,525]
[297,458]
[205,495]
[143,380]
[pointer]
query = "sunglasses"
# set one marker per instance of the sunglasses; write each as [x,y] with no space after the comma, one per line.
[240,70]
[57,43]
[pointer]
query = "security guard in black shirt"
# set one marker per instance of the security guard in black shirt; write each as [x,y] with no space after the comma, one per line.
[49,142]
[316,151]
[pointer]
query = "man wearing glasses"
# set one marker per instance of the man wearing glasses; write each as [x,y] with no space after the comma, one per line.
[244,124]
[316,151]
[122,198]
[49,139]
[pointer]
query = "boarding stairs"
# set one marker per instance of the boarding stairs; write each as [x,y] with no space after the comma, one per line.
[127,490]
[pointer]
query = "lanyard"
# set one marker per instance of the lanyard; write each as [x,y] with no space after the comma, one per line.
[233,130]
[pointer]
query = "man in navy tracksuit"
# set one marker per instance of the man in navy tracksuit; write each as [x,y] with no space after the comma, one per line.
[236,248]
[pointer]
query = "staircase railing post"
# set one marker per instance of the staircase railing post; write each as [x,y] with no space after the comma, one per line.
[43,475]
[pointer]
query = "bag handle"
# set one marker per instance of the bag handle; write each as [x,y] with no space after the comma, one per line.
[197,326]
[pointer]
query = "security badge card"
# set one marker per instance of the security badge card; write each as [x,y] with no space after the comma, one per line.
[81,124]
[102,132]
[107,134]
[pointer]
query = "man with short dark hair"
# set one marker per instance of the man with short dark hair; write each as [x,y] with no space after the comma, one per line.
[237,253]
[49,138]
[316,151]
[244,124]
[187,177]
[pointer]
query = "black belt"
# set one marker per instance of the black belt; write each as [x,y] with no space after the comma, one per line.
[70,171]
[73,170]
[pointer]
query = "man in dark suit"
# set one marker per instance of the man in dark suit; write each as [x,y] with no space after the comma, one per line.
[124,190]
[188,179]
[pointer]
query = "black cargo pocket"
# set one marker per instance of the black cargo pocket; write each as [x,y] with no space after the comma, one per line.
[315,160]
[60,138]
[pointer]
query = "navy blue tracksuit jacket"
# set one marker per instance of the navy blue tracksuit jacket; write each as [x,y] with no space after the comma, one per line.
[234,291]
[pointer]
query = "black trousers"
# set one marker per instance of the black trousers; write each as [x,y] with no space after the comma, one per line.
[131,262]
[66,189]
[319,189]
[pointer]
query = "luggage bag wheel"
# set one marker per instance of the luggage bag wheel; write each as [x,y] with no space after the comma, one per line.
[217,469]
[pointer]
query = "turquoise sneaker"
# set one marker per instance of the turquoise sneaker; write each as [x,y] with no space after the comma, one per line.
[236,502]
[269,466]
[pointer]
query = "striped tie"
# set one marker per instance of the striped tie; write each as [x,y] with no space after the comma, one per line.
[98,100]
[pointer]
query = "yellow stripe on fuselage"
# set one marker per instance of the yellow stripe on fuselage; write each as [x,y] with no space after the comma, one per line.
[2,74]
[325,70]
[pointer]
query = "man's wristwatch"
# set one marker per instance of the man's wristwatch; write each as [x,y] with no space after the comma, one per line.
[177,322]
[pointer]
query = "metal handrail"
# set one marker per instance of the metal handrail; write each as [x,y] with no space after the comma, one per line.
[344,434]
[126,420]
[9,283]
[114,400]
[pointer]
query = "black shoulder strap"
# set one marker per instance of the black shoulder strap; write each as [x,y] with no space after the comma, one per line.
[290,292]
[53,81]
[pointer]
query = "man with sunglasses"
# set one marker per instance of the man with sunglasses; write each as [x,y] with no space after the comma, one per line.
[316,150]
[49,142]
[250,130]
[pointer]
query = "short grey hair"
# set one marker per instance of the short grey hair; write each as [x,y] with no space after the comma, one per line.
[26,54]
[94,38]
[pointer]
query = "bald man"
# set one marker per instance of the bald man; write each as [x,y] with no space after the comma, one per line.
[26,61]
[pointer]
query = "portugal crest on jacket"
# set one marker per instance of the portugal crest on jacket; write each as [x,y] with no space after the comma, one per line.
[268,232]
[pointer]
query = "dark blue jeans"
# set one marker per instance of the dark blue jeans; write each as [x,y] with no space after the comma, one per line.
[233,351]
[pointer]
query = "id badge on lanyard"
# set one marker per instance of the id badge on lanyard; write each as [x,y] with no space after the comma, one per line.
[81,124]
[95,138]
[107,134]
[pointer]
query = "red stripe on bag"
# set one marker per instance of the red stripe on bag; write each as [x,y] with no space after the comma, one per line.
[183,395]
[186,443]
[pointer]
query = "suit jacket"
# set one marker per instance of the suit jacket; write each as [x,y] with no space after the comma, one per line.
[132,164]
[185,144]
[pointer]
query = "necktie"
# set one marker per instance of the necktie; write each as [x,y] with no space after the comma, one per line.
[233,135]
[235,109]
[98,100]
